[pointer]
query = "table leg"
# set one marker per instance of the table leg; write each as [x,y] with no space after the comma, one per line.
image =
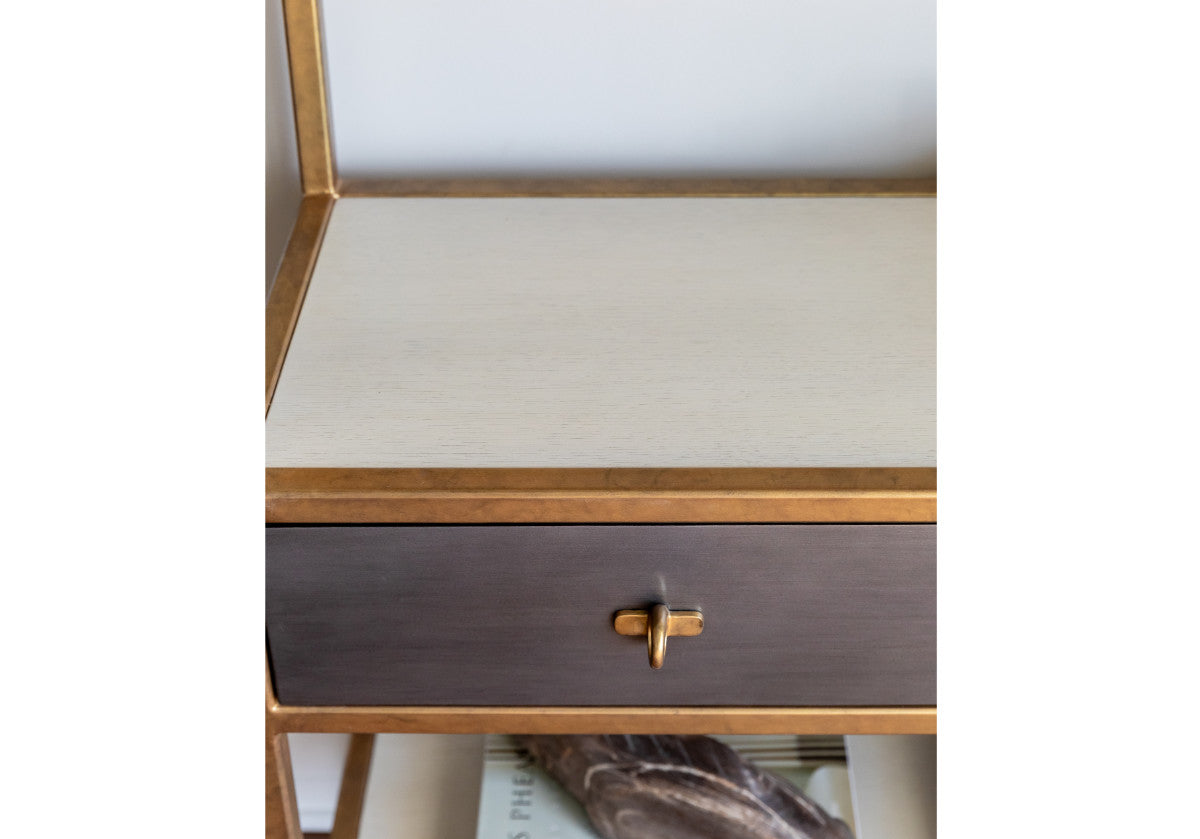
[283,818]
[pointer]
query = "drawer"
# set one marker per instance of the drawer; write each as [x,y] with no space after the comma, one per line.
[794,615]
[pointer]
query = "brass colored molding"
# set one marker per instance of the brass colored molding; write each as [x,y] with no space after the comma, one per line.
[609,720]
[548,496]
[603,507]
[510,187]
[291,282]
[306,64]
[724,479]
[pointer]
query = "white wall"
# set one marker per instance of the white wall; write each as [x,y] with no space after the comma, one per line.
[282,164]
[317,764]
[816,87]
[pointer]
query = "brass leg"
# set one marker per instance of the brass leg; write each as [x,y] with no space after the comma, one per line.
[354,787]
[283,819]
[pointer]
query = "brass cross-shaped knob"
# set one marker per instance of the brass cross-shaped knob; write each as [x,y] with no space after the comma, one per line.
[656,625]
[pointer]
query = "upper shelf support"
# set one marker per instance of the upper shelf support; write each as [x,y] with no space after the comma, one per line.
[309,97]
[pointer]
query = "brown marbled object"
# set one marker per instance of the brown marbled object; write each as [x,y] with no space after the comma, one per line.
[668,787]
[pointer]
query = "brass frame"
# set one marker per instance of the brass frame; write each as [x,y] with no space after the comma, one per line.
[291,281]
[549,496]
[470,719]
[541,495]
[354,787]
[283,817]
[306,65]
[515,187]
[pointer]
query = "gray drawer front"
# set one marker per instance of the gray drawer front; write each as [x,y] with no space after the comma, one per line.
[522,615]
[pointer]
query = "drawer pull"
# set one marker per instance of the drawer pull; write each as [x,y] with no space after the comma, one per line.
[657,624]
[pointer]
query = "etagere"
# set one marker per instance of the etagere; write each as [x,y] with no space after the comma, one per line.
[500,411]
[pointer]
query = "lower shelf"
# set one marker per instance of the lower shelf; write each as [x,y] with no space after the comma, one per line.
[427,786]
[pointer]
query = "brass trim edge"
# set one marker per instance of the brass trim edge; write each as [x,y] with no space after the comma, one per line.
[291,283]
[306,67]
[610,720]
[548,496]
[600,507]
[580,187]
[635,479]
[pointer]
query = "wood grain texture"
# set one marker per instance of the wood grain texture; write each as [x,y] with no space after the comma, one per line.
[826,615]
[630,187]
[306,65]
[354,787]
[674,332]
[291,283]
[612,720]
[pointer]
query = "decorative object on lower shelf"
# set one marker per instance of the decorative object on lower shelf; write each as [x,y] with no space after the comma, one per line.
[664,787]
